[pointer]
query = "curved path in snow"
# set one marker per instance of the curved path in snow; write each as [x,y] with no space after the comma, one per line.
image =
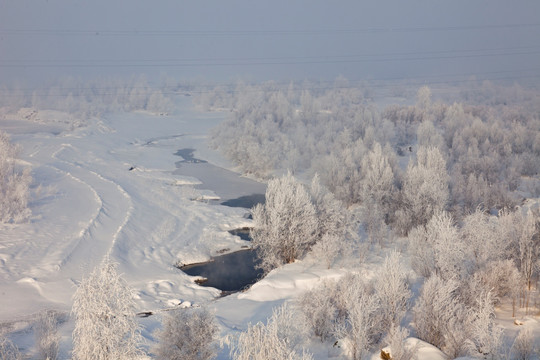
[99,235]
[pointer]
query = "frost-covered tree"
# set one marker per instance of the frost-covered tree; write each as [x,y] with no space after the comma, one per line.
[277,339]
[437,248]
[425,189]
[485,335]
[523,346]
[332,216]
[439,316]
[377,191]
[104,312]
[395,339]
[286,225]
[47,337]
[14,185]
[187,334]
[360,328]
[320,310]
[8,351]
[392,291]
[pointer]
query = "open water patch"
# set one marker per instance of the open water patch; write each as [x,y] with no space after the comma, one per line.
[229,273]
[187,155]
[246,201]
[243,233]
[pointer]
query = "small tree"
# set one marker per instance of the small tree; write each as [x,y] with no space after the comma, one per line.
[437,311]
[320,310]
[273,340]
[395,339]
[13,184]
[104,311]
[486,336]
[359,328]
[425,189]
[8,351]
[286,225]
[392,290]
[523,347]
[47,337]
[187,334]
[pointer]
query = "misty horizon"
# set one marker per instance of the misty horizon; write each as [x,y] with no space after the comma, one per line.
[43,41]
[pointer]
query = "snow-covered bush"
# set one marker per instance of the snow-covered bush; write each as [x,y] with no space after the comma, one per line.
[320,310]
[437,248]
[395,340]
[286,225]
[523,346]
[485,336]
[425,189]
[439,316]
[274,340]
[104,312]
[8,351]
[392,291]
[377,191]
[361,327]
[47,337]
[14,185]
[187,334]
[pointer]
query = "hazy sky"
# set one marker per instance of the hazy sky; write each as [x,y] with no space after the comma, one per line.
[221,40]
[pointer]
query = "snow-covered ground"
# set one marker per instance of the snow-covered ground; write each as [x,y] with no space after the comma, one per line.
[112,188]
[90,204]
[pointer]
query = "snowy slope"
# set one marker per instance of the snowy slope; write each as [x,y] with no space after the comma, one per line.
[90,205]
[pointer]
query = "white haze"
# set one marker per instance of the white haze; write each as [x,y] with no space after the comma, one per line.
[270,40]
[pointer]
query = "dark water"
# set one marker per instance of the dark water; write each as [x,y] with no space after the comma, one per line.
[243,233]
[247,201]
[229,273]
[187,155]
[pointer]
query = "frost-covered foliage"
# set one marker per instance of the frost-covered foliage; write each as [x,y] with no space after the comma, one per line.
[187,334]
[425,189]
[523,347]
[320,309]
[87,98]
[277,339]
[393,293]
[8,351]
[487,145]
[445,319]
[440,317]
[295,220]
[47,336]
[377,192]
[395,340]
[360,327]
[485,336]
[104,312]
[354,313]
[14,184]
[437,248]
[286,225]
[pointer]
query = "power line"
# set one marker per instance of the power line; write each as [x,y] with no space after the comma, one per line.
[490,51]
[254,32]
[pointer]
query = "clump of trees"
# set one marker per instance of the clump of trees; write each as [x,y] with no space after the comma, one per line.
[90,98]
[14,184]
[357,313]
